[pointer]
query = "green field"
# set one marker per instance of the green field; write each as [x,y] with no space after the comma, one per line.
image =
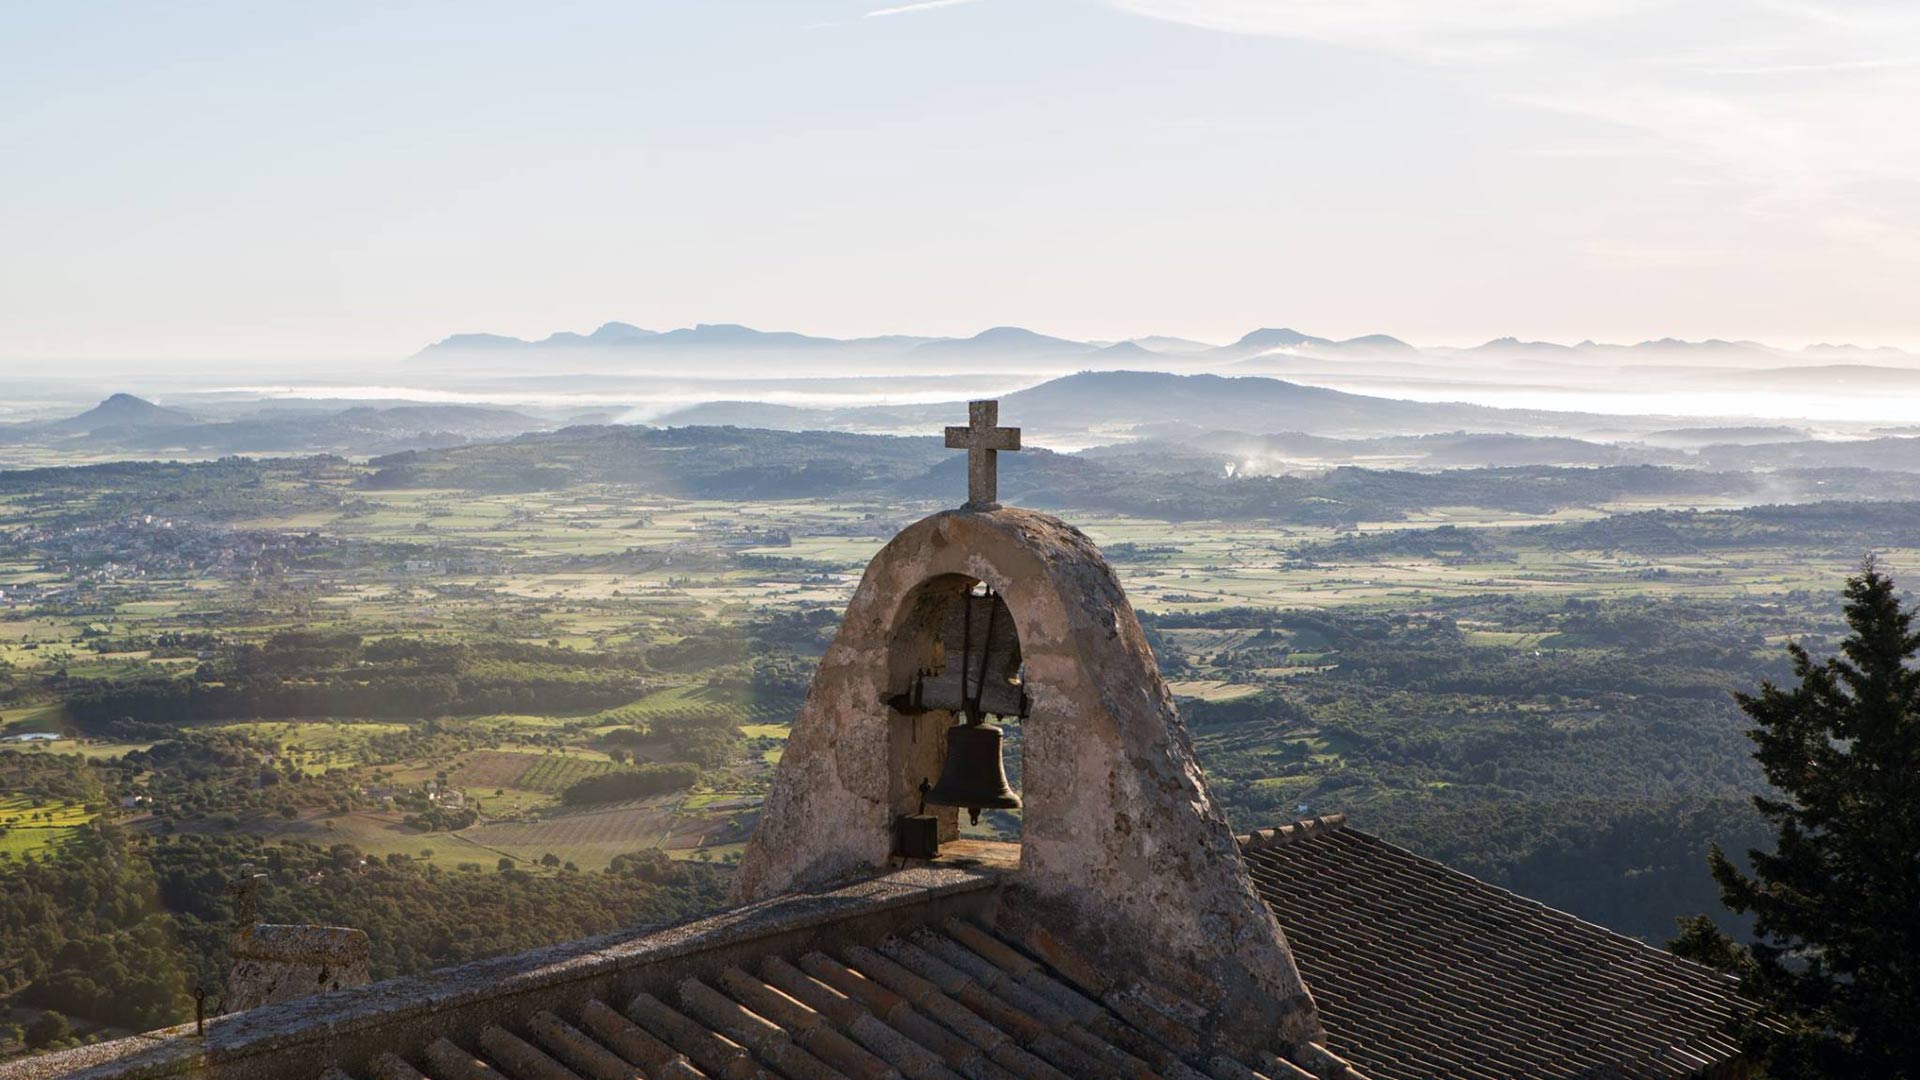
[34,826]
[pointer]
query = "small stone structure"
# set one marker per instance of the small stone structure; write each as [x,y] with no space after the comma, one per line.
[1121,849]
[272,964]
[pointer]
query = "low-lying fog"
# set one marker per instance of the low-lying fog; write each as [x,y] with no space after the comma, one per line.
[1604,394]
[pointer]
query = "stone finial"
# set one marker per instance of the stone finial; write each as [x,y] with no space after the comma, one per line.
[245,891]
[272,964]
[983,439]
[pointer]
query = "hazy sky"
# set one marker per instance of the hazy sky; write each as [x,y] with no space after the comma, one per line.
[331,179]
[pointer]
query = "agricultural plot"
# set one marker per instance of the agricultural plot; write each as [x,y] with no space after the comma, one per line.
[589,839]
[725,702]
[489,769]
[511,781]
[38,842]
[32,719]
[29,829]
[19,812]
[319,746]
[1210,689]
[553,773]
[376,833]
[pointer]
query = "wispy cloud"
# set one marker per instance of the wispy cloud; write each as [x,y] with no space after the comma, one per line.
[1801,108]
[897,9]
[908,9]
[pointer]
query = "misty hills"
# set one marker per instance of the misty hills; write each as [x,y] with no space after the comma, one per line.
[1122,400]
[1230,425]
[1243,454]
[1004,341]
[124,424]
[756,464]
[1111,404]
[615,344]
[1014,348]
[1141,415]
[120,412]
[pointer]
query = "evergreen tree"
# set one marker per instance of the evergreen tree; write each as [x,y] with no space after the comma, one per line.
[1835,964]
[47,1029]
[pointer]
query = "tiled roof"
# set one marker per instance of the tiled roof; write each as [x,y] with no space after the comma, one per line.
[905,976]
[1421,971]
[941,1002]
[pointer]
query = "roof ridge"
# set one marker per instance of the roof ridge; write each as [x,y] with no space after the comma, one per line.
[1261,839]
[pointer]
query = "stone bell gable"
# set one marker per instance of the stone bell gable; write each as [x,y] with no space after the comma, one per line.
[1120,846]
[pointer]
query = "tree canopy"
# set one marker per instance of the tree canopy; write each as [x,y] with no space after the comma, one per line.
[1835,964]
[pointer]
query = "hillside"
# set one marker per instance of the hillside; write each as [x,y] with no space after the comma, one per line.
[748,464]
[119,412]
[124,424]
[1111,403]
[1118,400]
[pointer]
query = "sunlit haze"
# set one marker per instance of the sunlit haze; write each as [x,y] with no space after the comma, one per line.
[876,538]
[302,186]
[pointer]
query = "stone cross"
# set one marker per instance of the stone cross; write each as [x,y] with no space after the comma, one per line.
[245,893]
[983,439]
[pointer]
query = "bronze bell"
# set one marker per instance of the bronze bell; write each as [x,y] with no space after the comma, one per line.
[974,776]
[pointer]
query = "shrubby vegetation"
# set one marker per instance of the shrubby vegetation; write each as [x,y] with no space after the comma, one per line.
[296,674]
[407,654]
[121,929]
[1590,771]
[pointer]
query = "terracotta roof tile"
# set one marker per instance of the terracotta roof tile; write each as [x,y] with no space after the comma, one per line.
[1421,971]
[953,1000]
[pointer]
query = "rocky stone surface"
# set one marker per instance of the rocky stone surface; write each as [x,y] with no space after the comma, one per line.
[1121,845]
[272,963]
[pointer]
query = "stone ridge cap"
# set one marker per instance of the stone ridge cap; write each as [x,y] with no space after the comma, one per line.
[1261,839]
[1011,516]
[330,1015]
[273,941]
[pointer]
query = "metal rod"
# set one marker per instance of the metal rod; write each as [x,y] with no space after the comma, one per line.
[966,650]
[986,657]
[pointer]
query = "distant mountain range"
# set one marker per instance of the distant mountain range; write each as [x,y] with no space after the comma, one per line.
[1146,422]
[1093,406]
[1017,348]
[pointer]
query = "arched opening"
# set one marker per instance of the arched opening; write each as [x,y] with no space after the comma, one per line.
[954,661]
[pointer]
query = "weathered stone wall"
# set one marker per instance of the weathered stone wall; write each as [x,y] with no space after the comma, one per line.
[1121,845]
[272,964]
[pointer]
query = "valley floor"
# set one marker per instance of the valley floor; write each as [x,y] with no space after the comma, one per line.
[569,702]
